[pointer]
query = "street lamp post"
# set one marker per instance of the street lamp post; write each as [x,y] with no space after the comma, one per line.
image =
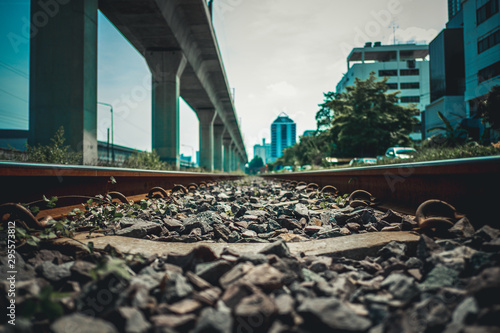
[112,131]
[192,153]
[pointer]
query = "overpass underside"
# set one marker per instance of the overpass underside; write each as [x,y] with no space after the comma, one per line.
[177,40]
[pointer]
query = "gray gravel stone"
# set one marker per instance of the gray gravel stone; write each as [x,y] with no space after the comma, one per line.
[331,314]
[139,229]
[54,273]
[216,321]
[80,323]
[278,248]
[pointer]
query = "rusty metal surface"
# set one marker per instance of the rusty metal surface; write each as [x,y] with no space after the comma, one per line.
[26,182]
[471,185]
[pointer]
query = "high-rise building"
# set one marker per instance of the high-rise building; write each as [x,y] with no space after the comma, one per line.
[264,151]
[447,80]
[482,50]
[283,135]
[454,6]
[465,65]
[406,66]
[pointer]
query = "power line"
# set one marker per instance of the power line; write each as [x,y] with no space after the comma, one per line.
[8,93]
[14,70]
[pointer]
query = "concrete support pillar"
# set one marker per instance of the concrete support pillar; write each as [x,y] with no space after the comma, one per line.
[227,154]
[206,117]
[218,133]
[166,70]
[63,74]
[234,156]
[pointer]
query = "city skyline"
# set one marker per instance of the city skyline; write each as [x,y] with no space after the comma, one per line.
[278,37]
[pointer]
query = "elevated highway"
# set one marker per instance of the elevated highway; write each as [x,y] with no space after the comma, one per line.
[177,40]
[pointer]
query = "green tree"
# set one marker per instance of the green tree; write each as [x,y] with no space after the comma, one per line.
[324,116]
[255,164]
[491,108]
[452,136]
[368,119]
[309,150]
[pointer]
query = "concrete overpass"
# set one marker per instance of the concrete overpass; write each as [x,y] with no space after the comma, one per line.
[178,42]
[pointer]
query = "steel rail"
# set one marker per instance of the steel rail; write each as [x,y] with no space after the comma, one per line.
[27,182]
[472,185]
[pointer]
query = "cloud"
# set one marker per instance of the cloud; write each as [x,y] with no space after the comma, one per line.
[282,89]
[413,35]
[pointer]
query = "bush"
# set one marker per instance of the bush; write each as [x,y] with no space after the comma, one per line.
[56,152]
[145,160]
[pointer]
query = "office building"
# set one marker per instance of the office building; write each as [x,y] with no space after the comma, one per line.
[283,135]
[458,91]
[264,151]
[482,50]
[447,80]
[454,6]
[405,65]
[308,133]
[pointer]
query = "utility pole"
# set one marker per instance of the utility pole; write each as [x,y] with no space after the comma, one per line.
[112,131]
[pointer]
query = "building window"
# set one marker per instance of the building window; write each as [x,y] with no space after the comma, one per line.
[410,85]
[283,132]
[387,72]
[410,99]
[486,11]
[489,72]
[392,86]
[407,72]
[488,41]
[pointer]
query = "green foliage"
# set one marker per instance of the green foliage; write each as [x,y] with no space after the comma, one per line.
[368,119]
[471,149]
[324,116]
[365,120]
[255,164]
[145,160]
[491,108]
[56,152]
[51,203]
[110,265]
[45,305]
[453,136]
[309,150]
[53,230]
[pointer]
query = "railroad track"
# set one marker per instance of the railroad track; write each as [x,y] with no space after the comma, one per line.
[299,258]
[471,185]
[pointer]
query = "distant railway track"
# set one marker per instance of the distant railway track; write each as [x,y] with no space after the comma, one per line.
[471,185]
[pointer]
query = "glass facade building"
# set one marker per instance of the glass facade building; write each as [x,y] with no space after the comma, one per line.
[283,135]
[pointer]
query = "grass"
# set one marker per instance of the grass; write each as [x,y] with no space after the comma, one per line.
[430,154]
[434,154]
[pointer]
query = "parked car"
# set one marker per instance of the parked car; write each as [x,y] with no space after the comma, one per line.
[306,167]
[363,160]
[400,152]
[288,168]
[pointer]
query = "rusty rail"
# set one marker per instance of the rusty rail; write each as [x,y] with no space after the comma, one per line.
[472,185]
[26,182]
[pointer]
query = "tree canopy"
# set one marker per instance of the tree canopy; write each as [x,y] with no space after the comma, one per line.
[362,121]
[324,116]
[255,164]
[368,119]
[491,108]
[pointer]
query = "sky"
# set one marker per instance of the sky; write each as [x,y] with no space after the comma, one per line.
[279,56]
